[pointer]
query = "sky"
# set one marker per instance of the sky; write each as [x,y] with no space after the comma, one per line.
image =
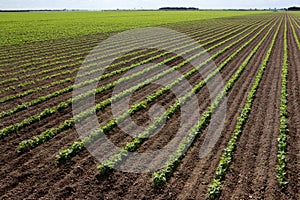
[143,4]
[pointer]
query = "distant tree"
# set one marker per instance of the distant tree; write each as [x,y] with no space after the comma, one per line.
[178,8]
[294,8]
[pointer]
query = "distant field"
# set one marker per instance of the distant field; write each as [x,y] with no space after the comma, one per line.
[17,28]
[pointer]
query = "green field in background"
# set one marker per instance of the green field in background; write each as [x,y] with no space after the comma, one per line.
[23,27]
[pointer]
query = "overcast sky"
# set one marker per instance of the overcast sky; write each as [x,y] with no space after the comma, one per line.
[143,4]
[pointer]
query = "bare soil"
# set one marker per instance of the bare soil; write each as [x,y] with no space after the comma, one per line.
[251,175]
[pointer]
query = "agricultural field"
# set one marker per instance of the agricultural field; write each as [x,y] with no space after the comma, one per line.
[18,28]
[46,61]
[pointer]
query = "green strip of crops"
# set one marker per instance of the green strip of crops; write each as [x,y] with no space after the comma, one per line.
[20,28]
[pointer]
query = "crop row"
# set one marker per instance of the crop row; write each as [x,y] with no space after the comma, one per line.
[47,112]
[82,47]
[15,79]
[160,177]
[50,48]
[76,147]
[46,48]
[39,139]
[294,32]
[73,53]
[20,85]
[7,89]
[38,54]
[52,69]
[214,188]
[79,56]
[132,146]
[141,105]
[33,47]
[297,23]
[90,72]
[283,130]
[47,52]
[41,99]
[64,104]
[61,43]
[7,98]
[79,59]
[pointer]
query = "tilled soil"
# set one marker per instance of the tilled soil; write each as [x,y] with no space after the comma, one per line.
[251,175]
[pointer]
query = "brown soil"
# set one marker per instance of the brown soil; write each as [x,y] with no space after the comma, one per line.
[251,175]
[293,156]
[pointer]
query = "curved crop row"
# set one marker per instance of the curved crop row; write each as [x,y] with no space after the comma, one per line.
[27,144]
[109,164]
[7,98]
[61,46]
[160,177]
[214,189]
[76,147]
[41,99]
[92,71]
[127,48]
[74,64]
[64,56]
[77,57]
[40,56]
[62,105]
[66,50]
